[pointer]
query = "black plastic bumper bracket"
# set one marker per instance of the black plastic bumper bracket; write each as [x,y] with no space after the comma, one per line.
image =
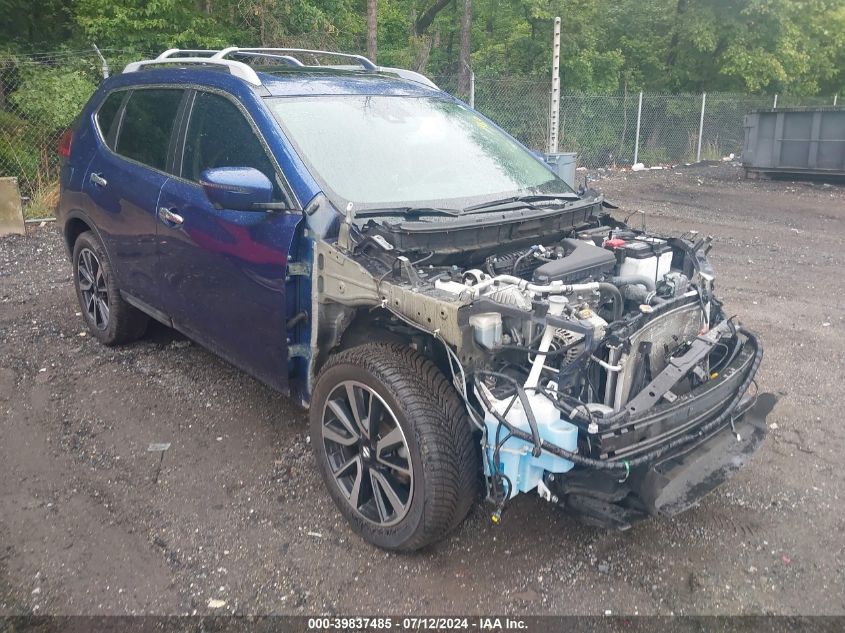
[678,482]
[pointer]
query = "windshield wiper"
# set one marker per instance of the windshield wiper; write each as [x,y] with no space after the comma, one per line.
[406,211]
[525,201]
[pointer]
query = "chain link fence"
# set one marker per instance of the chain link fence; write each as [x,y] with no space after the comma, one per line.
[605,129]
[41,94]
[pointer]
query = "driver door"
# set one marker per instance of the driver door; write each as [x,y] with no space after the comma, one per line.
[221,271]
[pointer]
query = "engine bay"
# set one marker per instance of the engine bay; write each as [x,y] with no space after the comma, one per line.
[570,346]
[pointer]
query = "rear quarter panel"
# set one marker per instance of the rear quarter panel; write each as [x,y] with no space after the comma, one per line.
[73,202]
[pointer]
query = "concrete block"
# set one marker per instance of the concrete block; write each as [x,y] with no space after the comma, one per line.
[11,213]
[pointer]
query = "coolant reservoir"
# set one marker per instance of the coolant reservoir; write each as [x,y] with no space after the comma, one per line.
[515,458]
[650,257]
[487,328]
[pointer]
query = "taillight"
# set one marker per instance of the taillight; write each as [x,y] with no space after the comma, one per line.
[65,142]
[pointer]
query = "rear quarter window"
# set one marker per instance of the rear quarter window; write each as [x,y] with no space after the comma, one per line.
[147,125]
[107,114]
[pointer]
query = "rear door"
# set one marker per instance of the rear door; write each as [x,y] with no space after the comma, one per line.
[124,180]
[221,271]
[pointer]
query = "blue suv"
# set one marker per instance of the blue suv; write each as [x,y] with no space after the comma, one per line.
[455,316]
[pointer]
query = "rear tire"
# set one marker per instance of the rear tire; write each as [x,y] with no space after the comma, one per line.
[432,464]
[109,318]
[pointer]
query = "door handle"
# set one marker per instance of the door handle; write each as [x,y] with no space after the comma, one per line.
[169,217]
[98,180]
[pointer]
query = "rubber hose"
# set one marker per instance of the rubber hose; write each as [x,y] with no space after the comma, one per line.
[519,260]
[626,280]
[616,296]
[576,458]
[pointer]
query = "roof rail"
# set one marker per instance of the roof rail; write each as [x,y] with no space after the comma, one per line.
[292,61]
[220,58]
[237,69]
[365,63]
[190,52]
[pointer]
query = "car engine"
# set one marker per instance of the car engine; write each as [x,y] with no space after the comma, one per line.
[576,341]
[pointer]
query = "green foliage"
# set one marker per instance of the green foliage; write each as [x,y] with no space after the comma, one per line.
[758,46]
[148,24]
[34,25]
[16,147]
[610,50]
[654,156]
[52,96]
[41,101]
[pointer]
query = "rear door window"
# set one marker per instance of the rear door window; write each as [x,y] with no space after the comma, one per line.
[148,121]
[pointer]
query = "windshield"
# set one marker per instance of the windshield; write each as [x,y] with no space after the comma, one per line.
[392,151]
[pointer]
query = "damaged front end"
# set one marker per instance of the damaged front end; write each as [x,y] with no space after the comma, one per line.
[594,359]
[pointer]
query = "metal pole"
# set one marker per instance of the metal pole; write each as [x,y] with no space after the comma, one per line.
[776,102]
[471,85]
[637,138]
[835,97]
[554,111]
[105,68]
[701,127]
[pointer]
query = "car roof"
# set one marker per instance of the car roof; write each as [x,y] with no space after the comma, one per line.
[282,83]
[334,81]
[278,72]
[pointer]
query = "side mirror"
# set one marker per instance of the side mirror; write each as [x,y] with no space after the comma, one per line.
[238,188]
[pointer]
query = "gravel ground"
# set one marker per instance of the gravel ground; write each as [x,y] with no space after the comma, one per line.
[238,514]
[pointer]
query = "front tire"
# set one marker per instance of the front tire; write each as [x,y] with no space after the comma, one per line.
[109,318]
[393,445]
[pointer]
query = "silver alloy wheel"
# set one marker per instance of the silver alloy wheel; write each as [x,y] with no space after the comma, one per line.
[92,284]
[367,452]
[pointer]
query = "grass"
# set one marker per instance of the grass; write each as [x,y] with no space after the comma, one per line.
[710,149]
[42,203]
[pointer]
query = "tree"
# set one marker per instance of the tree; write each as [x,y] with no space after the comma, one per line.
[372,29]
[149,25]
[466,45]
[52,96]
[758,46]
[28,25]
[427,17]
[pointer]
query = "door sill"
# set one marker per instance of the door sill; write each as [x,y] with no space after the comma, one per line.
[146,308]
